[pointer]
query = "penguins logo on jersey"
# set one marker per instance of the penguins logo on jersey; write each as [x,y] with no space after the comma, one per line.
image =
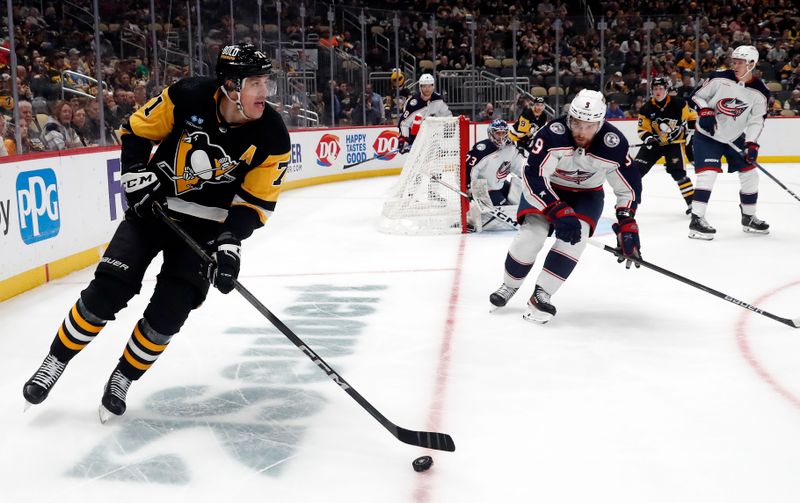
[576,176]
[665,127]
[197,162]
[732,107]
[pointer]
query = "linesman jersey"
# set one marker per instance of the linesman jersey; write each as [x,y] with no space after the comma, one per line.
[740,108]
[556,161]
[210,170]
[526,126]
[434,107]
[487,161]
[669,120]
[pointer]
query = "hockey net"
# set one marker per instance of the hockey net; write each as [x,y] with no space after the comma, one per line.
[419,204]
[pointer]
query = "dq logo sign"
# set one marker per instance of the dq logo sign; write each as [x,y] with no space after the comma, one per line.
[328,149]
[37,203]
[385,145]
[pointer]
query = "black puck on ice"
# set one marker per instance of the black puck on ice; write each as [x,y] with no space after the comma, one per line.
[422,463]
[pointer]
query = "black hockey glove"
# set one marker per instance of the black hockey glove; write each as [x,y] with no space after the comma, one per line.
[227,261]
[142,190]
[750,152]
[707,119]
[566,225]
[628,245]
[402,144]
[651,141]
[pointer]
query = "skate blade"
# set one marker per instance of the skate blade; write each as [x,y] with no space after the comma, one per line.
[539,317]
[493,308]
[105,414]
[750,230]
[27,406]
[701,236]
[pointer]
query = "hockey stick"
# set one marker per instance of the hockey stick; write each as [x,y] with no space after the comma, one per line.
[396,151]
[759,166]
[679,142]
[429,440]
[795,323]
[493,210]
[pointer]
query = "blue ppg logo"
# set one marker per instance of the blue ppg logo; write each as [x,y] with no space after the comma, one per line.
[37,203]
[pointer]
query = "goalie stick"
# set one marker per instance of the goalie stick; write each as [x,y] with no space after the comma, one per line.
[795,323]
[493,210]
[429,440]
[759,166]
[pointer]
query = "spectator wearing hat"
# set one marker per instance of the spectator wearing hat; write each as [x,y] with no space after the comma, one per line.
[614,111]
[616,85]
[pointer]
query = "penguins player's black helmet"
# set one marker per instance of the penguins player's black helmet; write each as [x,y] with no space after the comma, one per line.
[660,81]
[239,61]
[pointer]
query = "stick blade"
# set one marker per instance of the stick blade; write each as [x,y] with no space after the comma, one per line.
[427,439]
[796,322]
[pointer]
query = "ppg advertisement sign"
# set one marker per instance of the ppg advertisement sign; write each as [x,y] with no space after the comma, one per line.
[37,205]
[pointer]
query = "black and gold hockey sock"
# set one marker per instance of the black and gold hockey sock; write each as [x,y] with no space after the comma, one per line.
[143,349]
[686,188]
[78,329]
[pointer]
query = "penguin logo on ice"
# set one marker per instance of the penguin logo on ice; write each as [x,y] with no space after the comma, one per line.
[197,162]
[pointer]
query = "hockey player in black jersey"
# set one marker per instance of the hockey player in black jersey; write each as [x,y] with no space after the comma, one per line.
[218,168]
[532,119]
[664,122]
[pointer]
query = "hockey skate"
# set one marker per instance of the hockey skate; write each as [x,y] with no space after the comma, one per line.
[501,296]
[750,223]
[700,229]
[540,310]
[113,402]
[39,385]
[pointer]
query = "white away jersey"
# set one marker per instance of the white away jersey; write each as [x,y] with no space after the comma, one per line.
[740,108]
[556,161]
[434,107]
[488,162]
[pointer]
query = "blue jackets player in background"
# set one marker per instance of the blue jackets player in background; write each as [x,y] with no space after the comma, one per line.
[222,154]
[563,194]
[424,103]
[731,107]
[494,173]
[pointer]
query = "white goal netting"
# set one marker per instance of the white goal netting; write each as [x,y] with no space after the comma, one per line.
[419,204]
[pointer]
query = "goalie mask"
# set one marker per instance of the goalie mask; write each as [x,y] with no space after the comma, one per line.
[498,132]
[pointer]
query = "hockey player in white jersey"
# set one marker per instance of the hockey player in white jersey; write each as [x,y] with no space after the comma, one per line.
[424,103]
[732,106]
[563,194]
[494,174]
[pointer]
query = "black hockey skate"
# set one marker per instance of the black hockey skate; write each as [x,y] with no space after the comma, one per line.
[700,229]
[540,310]
[501,296]
[750,223]
[113,401]
[39,385]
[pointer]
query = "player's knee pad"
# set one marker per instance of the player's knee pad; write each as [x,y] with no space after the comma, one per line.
[172,301]
[515,191]
[529,239]
[749,181]
[705,180]
[108,294]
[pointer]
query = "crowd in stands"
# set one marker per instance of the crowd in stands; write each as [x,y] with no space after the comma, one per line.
[56,55]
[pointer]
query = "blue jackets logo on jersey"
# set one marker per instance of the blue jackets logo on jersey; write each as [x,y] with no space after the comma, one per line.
[37,204]
[577,176]
[732,107]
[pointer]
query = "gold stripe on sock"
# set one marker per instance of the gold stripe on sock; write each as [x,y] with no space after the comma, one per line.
[133,361]
[142,340]
[94,329]
[68,343]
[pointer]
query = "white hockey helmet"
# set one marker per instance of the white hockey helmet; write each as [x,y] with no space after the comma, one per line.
[426,79]
[589,106]
[747,53]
